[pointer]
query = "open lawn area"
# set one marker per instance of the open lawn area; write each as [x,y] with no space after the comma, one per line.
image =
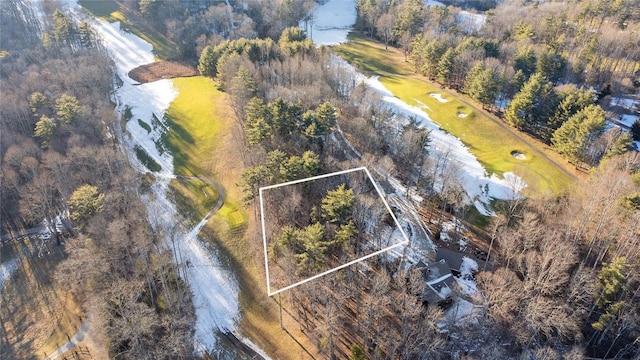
[207,142]
[491,142]
[110,11]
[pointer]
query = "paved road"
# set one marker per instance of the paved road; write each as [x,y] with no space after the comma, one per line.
[78,337]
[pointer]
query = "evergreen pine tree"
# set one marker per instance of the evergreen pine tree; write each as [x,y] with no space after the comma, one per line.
[574,138]
[207,63]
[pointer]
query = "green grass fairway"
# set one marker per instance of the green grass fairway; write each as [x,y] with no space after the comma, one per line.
[192,140]
[194,124]
[110,11]
[490,143]
[372,58]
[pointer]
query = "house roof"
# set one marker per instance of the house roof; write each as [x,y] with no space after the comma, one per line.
[454,259]
[439,280]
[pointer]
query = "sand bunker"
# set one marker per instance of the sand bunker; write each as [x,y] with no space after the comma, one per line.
[462,115]
[518,155]
[439,97]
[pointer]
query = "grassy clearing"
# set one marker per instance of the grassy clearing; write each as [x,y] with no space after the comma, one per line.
[194,198]
[111,11]
[488,141]
[203,139]
[371,57]
[195,126]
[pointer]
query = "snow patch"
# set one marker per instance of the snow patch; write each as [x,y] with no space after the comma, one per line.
[7,269]
[462,311]
[628,119]
[628,102]
[330,22]
[466,281]
[518,155]
[439,97]
[434,3]
[36,7]
[423,105]
[470,22]
[445,228]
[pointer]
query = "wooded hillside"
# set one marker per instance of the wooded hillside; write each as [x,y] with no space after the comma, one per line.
[60,155]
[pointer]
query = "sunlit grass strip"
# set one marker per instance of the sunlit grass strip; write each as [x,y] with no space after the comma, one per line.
[110,11]
[371,57]
[192,139]
[195,126]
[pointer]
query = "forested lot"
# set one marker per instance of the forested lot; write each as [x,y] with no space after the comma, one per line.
[60,154]
[566,280]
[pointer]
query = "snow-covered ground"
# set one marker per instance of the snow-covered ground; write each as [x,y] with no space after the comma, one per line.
[215,288]
[32,9]
[631,103]
[466,281]
[6,270]
[433,3]
[470,22]
[627,102]
[331,22]
[628,119]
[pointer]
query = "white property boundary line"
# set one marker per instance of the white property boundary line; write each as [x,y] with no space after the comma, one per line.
[264,233]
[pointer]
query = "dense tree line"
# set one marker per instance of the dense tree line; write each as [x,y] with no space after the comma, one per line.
[193,25]
[59,156]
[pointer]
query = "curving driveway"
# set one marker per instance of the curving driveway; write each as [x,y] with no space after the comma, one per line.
[219,188]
